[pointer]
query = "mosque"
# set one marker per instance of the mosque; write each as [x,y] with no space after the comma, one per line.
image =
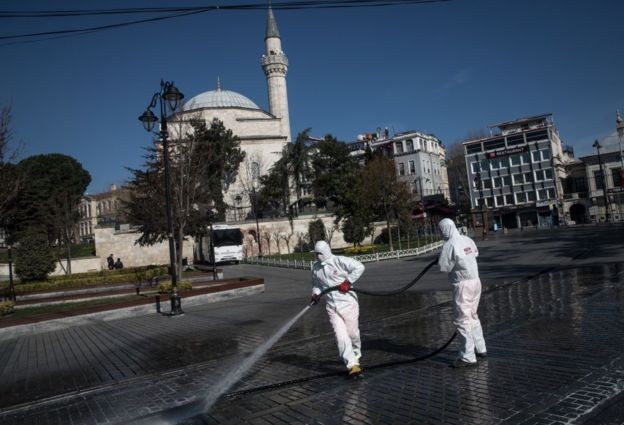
[262,134]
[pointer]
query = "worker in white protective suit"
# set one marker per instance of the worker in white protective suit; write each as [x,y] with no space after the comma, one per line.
[459,259]
[342,305]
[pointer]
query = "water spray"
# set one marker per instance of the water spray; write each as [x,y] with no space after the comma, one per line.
[189,410]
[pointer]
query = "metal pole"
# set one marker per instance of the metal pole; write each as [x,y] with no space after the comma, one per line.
[212,253]
[176,307]
[604,185]
[255,207]
[11,287]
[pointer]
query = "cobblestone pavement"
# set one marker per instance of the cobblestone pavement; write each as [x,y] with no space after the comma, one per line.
[555,347]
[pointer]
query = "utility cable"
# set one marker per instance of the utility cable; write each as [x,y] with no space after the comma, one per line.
[185,11]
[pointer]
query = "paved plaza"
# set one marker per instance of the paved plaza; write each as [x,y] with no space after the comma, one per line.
[552,312]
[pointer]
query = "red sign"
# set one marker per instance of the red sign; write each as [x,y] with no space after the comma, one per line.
[506,152]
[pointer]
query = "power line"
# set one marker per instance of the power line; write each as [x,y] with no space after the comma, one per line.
[180,12]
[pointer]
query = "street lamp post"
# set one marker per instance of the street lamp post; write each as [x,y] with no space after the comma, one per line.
[255,208]
[168,96]
[602,177]
[11,286]
[619,125]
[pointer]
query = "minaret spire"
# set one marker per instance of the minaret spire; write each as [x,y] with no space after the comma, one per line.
[275,65]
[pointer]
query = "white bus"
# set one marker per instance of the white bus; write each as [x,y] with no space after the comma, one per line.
[228,244]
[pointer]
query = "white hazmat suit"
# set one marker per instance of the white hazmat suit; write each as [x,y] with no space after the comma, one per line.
[459,259]
[342,308]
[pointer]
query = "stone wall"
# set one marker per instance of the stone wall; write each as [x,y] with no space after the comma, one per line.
[80,265]
[280,231]
[121,245]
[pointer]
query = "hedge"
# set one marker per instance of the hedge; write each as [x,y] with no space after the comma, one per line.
[89,279]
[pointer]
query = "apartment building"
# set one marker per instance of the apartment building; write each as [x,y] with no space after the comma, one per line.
[516,174]
[100,209]
[420,159]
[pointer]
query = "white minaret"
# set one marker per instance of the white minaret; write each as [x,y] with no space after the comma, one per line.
[275,66]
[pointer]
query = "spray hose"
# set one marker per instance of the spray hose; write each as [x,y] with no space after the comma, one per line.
[386,293]
[395,292]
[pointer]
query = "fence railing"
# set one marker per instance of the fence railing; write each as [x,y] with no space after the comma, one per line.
[365,258]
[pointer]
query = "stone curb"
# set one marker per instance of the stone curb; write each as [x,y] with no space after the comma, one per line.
[141,310]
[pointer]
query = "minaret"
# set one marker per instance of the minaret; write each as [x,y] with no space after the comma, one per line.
[275,66]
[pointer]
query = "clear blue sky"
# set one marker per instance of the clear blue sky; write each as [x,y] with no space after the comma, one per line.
[447,68]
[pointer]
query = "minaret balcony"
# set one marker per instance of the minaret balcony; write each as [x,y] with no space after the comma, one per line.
[277,59]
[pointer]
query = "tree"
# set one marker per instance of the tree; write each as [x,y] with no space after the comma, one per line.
[354,229]
[335,173]
[380,191]
[275,186]
[316,231]
[299,162]
[34,258]
[204,162]
[9,176]
[50,200]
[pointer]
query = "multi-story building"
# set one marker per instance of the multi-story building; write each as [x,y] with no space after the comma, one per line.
[516,174]
[101,209]
[605,187]
[419,159]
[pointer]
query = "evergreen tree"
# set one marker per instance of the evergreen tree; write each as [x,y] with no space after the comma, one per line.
[203,164]
[34,258]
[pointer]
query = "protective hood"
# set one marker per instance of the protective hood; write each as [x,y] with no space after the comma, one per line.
[323,250]
[448,229]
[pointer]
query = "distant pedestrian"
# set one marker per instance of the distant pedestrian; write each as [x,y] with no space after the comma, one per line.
[111,262]
[118,264]
[459,259]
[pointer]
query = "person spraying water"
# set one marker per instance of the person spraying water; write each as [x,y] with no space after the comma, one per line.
[335,271]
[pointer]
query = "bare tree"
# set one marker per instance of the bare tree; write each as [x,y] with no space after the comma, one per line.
[329,232]
[267,237]
[275,235]
[9,178]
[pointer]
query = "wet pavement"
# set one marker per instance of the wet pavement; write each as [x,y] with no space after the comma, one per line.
[552,312]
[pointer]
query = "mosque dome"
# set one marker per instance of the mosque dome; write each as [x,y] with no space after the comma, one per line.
[219,99]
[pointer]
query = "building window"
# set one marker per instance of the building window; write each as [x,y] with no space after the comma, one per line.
[401,169]
[489,202]
[499,163]
[536,156]
[551,193]
[598,179]
[497,181]
[500,201]
[617,177]
[542,194]
[518,179]
[506,180]
[487,184]
[410,145]
[545,155]
[515,160]
[526,158]
[509,199]
[520,198]
[531,196]
[412,167]
[476,148]
[398,147]
[528,177]
[540,175]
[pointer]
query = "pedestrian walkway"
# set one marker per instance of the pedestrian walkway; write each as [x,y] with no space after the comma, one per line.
[554,342]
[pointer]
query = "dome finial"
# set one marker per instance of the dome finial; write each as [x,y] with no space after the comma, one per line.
[218,83]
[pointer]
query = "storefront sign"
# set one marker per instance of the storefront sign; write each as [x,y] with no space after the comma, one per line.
[615,190]
[507,152]
[543,203]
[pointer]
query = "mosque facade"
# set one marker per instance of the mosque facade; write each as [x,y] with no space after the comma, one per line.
[263,134]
